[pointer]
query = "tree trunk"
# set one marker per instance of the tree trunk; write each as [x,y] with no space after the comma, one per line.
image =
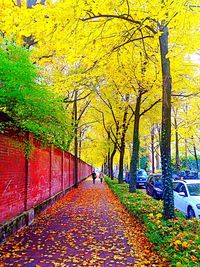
[136,145]
[121,161]
[75,141]
[195,155]
[80,144]
[158,149]
[108,156]
[196,158]
[108,163]
[166,126]
[152,150]
[105,166]
[111,161]
[186,155]
[177,145]
[122,145]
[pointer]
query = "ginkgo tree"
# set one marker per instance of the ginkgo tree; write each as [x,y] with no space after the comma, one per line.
[119,92]
[188,129]
[154,19]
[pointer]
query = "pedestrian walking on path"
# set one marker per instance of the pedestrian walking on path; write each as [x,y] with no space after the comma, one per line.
[94,176]
[87,227]
[101,177]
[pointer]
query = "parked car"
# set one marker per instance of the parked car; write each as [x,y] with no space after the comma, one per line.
[186,175]
[141,178]
[175,176]
[154,186]
[192,175]
[187,197]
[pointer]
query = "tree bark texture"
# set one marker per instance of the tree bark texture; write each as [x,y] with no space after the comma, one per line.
[158,158]
[186,154]
[122,146]
[111,162]
[177,164]
[75,140]
[109,156]
[105,166]
[166,126]
[136,145]
[79,143]
[195,155]
[121,162]
[152,150]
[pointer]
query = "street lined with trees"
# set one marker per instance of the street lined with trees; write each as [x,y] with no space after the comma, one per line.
[113,70]
[115,83]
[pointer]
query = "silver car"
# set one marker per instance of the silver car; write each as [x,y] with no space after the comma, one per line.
[187,197]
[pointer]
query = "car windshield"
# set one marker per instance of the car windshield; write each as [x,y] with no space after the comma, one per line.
[141,173]
[158,182]
[194,189]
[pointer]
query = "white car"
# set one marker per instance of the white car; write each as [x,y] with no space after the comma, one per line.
[187,197]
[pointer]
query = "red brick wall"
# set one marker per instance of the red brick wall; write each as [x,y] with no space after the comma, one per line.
[24,183]
[79,170]
[38,175]
[66,170]
[12,177]
[71,169]
[56,179]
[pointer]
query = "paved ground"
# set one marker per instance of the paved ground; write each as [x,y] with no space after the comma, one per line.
[88,227]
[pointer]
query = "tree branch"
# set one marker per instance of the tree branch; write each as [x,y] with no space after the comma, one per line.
[105,128]
[110,107]
[47,56]
[116,139]
[181,95]
[129,19]
[72,101]
[156,102]
[83,110]
[132,40]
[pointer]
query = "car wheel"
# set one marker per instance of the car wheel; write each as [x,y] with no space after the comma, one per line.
[191,213]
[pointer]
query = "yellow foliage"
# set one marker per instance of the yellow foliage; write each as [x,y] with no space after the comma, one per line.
[92,45]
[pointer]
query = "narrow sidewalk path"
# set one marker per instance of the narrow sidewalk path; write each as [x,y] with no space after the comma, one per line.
[87,227]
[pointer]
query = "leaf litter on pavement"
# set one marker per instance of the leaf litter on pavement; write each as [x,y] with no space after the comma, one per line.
[87,227]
